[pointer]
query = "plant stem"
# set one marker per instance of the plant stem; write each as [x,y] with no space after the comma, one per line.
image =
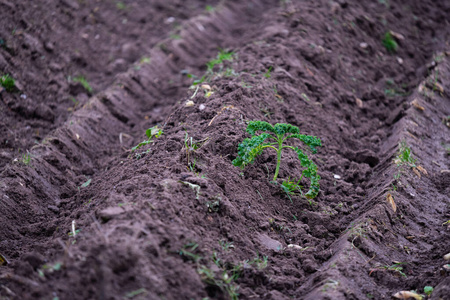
[280,141]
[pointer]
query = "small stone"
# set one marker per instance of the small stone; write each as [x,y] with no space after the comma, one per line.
[270,243]
[336,176]
[110,213]
[49,46]
[202,107]
[309,266]
[189,103]
[53,208]
[397,35]
[264,225]
[44,112]
[363,45]
[400,61]
[359,103]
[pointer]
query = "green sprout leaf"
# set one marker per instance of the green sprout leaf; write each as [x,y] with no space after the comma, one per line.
[8,83]
[389,43]
[428,290]
[150,133]
[274,137]
[87,183]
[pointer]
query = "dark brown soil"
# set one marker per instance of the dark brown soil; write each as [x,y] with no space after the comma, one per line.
[175,219]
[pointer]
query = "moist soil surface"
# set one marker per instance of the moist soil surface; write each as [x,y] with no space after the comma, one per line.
[84,215]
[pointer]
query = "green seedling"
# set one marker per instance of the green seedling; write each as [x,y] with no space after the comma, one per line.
[260,263]
[121,5]
[267,74]
[26,158]
[428,290]
[389,43]
[49,268]
[86,183]
[404,156]
[275,137]
[188,252]
[221,57]
[209,8]
[8,83]
[135,293]
[82,80]
[226,246]
[150,133]
[210,74]
[224,281]
[395,268]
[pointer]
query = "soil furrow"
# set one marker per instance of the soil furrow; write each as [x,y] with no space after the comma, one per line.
[90,219]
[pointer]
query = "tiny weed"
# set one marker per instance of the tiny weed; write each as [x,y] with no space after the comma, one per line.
[86,183]
[215,69]
[49,268]
[221,57]
[224,280]
[330,284]
[304,96]
[389,43]
[209,8]
[260,263]
[188,252]
[82,80]
[121,5]
[428,290]
[150,133]
[26,158]
[135,293]
[404,156]
[226,246]
[144,60]
[267,74]
[277,135]
[8,83]
[214,204]
[395,268]
[246,85]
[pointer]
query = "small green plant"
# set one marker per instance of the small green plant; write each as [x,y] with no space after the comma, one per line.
[8,83]
[226,246]
[404,156]
[275,137]
[389,43]
[267,74]
[150,133]
[224,280]
[428,290]
[209,8]
[82,80]
[135,293]
[26,158]
[395,268]
[49,268]
[188,252]
[221,57]
[121,5]
[260,263]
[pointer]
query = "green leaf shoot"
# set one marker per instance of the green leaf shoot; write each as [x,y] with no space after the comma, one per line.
[275,137]
[150,133]
[8,83]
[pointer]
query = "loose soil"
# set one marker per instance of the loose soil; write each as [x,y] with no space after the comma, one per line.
[84,217]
